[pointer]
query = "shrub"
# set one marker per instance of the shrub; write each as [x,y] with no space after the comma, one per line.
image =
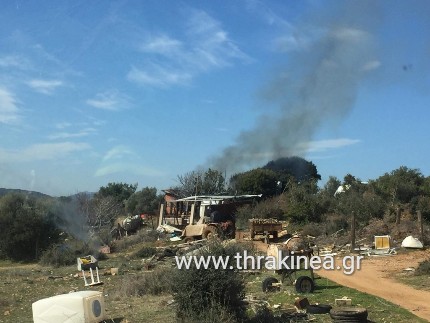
[376,227]
[263,315]
[423,268]
[57,256]
[65,254]
[214,314]
[334,223]
[141,236]
[145,252]
[156,282]
[312,229]
[204,290]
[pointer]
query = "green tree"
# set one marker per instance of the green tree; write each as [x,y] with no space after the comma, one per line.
[298,168]
[256,181]
[400,185]
[331,186]
[144,201]
[302,202]
[362,200]
[119,191]
[27,227]
[209,182]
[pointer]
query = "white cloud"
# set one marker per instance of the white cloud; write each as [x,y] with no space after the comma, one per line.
[118,152]
[66,135]
[162,45]
[133,168]
[122,159]
[14,61]
[43,151]
[44,86]
[170,61]
[157,75]
[324,145]
[9,112]
[372,65]
[109,100]
[63,125]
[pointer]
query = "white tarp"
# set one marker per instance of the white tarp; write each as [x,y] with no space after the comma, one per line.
[411,242]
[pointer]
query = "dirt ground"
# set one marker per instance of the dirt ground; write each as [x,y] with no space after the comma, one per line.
[377,277]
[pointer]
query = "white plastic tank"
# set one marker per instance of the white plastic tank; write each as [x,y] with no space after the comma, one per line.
[77,307]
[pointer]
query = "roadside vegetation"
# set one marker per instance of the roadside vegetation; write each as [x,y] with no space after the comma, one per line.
[41,237]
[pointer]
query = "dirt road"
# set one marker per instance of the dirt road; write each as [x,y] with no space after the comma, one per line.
[376,278]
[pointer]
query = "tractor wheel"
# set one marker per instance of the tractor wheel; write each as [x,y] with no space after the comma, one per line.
[188,239]
[210,232]
[267,285]
[304,284]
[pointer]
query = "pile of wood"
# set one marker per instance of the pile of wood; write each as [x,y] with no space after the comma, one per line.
[264,221]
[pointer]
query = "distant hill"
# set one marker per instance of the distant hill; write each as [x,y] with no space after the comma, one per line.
[4,191]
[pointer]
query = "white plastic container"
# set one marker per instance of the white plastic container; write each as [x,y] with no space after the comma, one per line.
[78,307]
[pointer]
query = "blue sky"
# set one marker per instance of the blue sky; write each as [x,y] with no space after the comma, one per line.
[93,92]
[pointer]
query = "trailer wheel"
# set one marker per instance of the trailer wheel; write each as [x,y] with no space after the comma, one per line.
[304,284]
[188,239]
[267,285]
[210,232]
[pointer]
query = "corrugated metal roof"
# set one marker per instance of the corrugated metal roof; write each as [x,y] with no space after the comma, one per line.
[201,198]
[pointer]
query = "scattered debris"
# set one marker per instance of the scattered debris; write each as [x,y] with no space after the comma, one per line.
[409,269]
[349,314]
[87,262]
[301,303]
[172,301]
[344,301]
[382,242]
[175,239]
[104,250]
[411,242]
[166,228]
[82,306]
[94,281]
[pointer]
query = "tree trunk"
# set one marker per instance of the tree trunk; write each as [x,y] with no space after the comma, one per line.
[353,232]
[398,215]
[421,225]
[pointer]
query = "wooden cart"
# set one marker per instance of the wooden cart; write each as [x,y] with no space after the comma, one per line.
[303,283]
[264,227]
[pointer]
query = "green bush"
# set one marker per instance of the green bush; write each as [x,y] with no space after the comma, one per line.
[65,254]
[140,236]
[263,315]
[156,282]
[27,227]
[205,290]
[145,252]
[423,268]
